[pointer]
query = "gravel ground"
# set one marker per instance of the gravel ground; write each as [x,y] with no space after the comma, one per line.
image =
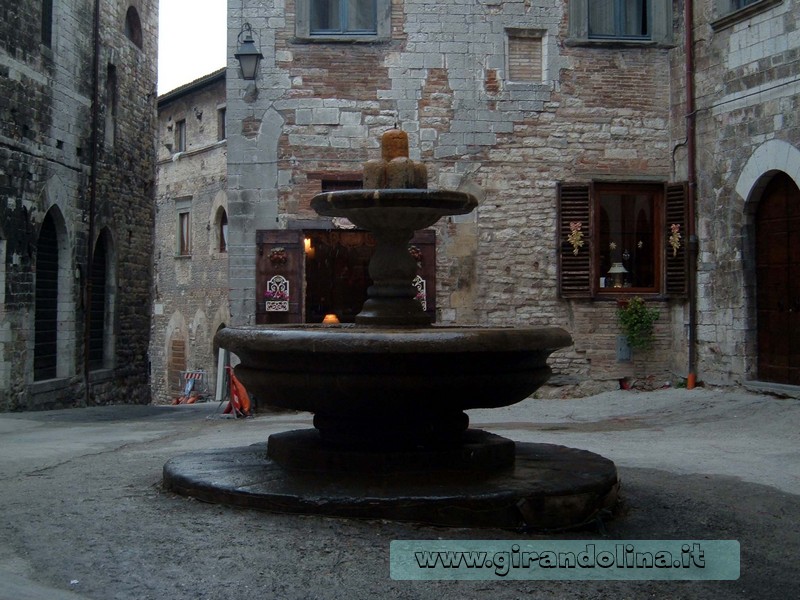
[85,515]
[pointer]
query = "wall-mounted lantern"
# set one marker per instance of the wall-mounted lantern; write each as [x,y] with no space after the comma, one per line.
[248,55]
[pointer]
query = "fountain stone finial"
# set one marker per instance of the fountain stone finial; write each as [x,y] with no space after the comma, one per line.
[394,203]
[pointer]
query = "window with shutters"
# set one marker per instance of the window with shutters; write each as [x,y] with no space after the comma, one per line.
[622,238]
[524,56]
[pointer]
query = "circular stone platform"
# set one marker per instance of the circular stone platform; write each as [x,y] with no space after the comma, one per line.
[548,488]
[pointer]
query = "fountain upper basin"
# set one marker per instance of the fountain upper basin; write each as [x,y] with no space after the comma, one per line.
[391,382]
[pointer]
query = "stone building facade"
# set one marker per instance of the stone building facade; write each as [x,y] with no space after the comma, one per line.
[513,101]
[747,102]
[594,147]
[77,168]
[190,298]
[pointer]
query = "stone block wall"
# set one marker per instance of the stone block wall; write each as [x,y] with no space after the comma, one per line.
[599,112]
[47,134]
[747,101]
[190,297]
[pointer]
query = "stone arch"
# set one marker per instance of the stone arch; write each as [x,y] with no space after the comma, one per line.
[176,340]
[218,224]
[768,158]
[54,339]
[103,302]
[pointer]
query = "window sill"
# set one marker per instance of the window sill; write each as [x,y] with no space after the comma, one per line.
[743,14]
[614,43]
[100,375]
[340,39]
[47,386]
[536,86]
[182,256]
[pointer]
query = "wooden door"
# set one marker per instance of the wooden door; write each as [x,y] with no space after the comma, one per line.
[778,281]
[280,258]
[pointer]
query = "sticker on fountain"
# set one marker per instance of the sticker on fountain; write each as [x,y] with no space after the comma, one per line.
[277,294]
[421,295]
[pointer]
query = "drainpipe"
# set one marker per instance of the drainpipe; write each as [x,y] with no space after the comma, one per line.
[87,278]
[692,177]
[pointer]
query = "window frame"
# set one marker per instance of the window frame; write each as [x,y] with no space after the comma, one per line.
[730,12]
[656,192]
[660,18]
[618,23]
[222,133]
[579,259]
[183,227]
[514,37]
[180,135]
[222,232]
[383,25]
[47,23]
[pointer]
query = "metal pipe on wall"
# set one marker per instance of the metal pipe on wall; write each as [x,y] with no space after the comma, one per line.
[691,150]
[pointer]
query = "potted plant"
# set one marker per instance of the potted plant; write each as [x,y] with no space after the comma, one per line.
[636,321]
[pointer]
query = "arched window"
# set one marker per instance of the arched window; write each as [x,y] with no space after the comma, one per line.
[133,27]
[223,231]
[111,105]
[45,350]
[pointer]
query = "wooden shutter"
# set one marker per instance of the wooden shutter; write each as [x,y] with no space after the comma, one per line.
[271,244]
[677,260]
[575,270]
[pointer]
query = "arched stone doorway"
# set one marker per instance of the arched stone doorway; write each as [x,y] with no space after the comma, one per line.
[777,281]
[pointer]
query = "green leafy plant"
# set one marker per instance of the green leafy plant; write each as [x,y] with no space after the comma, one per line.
[636,321]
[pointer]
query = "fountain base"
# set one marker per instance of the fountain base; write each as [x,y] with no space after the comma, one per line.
[545,487]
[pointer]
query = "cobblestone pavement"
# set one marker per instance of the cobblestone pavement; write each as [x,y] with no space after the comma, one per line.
[85,516]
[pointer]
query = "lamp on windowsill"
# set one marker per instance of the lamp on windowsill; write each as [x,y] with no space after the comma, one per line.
[617,272]
[248,55]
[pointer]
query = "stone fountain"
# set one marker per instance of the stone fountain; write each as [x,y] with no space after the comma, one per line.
[388,393]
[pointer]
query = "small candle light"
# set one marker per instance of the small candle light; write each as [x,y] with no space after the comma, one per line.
[330,319]
[310,252]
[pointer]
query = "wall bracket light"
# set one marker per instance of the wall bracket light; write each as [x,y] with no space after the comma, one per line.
[248,54]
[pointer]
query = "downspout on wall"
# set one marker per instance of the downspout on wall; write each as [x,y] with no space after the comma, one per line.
[87,276]
[692,181]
